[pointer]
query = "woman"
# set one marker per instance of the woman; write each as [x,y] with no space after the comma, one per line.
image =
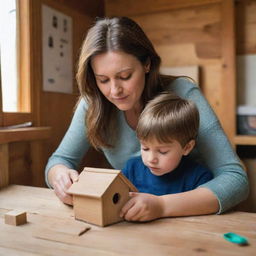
[118,73]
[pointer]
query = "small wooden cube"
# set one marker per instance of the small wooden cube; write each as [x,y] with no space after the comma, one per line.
[15,218]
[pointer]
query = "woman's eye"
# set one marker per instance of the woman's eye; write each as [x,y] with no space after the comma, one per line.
[125,77]
[103,81]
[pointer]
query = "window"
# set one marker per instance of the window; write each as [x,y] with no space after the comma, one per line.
[8,58]
[14,62]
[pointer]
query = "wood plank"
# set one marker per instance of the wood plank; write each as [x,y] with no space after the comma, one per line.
[228,94]
[133,7]
[24,134]
[211,85]
[12,118]
[33,200]
[4,165]
[245,27]
[193,25]
[50,228]
[24,58]
[11,251]
[20,239]
[198,233]
[245,140]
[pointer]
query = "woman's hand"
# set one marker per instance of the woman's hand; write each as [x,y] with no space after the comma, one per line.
[142,207]
[61,178]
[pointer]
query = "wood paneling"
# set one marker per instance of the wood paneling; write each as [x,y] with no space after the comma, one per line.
[192,33]
[27,160]
[56,109]
[19,163]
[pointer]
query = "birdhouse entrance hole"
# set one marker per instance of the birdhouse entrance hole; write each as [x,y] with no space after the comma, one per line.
[116,198]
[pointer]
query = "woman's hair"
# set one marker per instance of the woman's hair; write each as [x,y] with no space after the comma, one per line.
[168,117]
[113,34]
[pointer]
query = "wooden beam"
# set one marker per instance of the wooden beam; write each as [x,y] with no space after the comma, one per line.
[228,97]
[24,134]
[245,140]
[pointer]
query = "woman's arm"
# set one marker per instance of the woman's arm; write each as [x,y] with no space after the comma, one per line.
[60,169]
[213,149]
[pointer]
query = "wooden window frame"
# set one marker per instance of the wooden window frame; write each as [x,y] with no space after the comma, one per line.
[24,113]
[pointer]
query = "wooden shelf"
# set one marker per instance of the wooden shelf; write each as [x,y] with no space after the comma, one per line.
[24,134]
[245,140]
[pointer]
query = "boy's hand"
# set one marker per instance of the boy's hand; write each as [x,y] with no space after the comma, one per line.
[142,207]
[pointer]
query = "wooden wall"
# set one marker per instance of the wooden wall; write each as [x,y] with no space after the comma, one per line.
[184,32]
[246,44]
[50,109]
[187,33]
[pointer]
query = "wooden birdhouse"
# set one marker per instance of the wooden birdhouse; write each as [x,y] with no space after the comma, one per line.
[99,195]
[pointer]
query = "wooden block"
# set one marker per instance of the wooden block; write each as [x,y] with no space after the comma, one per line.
[15,218]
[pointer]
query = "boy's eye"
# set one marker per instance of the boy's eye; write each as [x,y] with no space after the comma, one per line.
[145,149]
[163,152]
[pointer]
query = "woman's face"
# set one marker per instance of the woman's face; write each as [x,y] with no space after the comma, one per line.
[121,78]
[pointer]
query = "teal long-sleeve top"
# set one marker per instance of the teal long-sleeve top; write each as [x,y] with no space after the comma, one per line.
[213,149]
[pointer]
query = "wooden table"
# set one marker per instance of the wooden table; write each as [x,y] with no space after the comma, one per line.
[52,230]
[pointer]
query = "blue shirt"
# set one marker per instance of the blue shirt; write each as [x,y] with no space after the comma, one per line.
[187,176]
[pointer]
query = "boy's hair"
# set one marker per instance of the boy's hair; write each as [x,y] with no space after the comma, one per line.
[168,117]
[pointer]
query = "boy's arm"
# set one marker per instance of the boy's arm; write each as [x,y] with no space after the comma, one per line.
[194,202]
[145,207]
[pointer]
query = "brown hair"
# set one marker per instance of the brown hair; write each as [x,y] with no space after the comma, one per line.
[113,34]
[168,117]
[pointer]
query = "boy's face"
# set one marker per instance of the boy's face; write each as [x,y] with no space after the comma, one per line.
[162,158]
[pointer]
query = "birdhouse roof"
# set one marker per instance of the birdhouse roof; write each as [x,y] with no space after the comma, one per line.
[93,182]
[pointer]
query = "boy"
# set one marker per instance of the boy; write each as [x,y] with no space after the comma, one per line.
[167,131]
